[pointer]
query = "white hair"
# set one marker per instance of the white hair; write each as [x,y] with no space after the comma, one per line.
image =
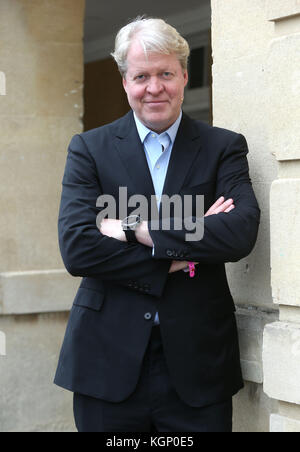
[154,35]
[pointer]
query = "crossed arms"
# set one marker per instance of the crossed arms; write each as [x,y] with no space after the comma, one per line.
[230,230]
[113,228]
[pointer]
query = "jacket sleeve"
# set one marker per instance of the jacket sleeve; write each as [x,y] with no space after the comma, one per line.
[85,251]
[228,237]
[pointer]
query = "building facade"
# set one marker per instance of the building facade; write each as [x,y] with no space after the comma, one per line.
[47,55]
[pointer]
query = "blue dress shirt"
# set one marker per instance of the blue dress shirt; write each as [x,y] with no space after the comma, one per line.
[158,149]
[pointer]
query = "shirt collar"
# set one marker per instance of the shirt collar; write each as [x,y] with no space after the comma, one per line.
[143,131]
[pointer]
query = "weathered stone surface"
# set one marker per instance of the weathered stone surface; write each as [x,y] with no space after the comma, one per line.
[251,323]
[289,410]
[248,280]
[281,352]
[239,28]
[28,398]
[283,71]
[44,79]
[289,169]
[252,409]
[281,9]
[42,20]
[289,314]
[285,244]
[281,424]
[41,60]
[37,291]
[255,92]
[33,156]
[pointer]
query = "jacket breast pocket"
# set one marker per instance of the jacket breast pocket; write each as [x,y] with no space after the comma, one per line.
[89,298]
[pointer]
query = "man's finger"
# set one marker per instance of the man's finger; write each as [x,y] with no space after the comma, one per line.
[230,208]
[224,206]
[218,203]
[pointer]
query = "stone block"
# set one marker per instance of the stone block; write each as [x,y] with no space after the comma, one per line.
[248,280]
[236,110]
[281,363]
[281,9]
[29,400]
[37,291]
[281,424]
[289,410]
[283,73]
[43,79]
[289,169]
[41,20]
[289,314]
[33,157]
[285,244]
[239,29]
[252,409]
[251,323]
[66,24]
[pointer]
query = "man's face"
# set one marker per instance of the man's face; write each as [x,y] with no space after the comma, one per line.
[154,87]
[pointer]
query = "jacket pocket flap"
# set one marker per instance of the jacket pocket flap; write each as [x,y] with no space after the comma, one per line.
[89,298]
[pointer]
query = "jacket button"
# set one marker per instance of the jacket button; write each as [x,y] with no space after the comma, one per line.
[169,253]
[148,316]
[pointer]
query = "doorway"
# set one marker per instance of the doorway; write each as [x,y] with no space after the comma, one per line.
[104,96]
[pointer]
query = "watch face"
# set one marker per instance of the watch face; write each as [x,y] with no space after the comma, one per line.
[131,222]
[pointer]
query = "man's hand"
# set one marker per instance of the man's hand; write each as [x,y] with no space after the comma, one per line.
[178,266]
[219,206]
[113,228]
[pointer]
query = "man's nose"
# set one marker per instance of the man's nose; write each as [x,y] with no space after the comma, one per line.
[154,86]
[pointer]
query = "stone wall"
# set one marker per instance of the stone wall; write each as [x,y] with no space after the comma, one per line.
[255,88]
[41,62]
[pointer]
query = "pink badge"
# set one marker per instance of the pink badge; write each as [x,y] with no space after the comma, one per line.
[192,269]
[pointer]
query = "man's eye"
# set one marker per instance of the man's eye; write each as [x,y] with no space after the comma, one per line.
[167,74]
[140,77]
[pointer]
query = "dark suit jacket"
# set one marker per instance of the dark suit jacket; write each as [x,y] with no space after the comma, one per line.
[123,285]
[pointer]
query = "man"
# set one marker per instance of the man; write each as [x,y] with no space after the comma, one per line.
[148,347]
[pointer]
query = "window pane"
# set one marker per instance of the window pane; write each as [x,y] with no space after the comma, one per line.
[197,68]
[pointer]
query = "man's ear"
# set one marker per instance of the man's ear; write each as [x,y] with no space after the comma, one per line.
[124,83]
[186,77]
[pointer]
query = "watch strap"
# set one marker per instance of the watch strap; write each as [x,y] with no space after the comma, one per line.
[130,235]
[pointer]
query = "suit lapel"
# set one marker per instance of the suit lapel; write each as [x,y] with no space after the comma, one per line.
[132,155]
[184,153]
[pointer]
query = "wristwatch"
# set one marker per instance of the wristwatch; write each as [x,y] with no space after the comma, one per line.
[129,225]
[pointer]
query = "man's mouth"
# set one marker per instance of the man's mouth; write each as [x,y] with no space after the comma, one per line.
[156,102]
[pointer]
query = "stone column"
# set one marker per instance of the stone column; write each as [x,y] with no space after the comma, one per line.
[281,355]
[255,86]
[41,76]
